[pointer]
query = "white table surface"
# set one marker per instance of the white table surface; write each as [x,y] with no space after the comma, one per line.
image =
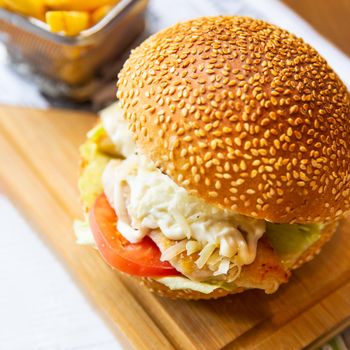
[40,306]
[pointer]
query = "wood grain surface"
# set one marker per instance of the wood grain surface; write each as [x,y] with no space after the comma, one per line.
[39,170]
[331,18]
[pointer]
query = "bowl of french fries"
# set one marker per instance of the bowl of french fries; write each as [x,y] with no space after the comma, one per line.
[64,44]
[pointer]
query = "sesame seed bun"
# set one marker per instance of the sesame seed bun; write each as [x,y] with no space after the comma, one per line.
[243,114]
[163,290]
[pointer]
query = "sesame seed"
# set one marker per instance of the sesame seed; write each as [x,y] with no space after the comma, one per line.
[224,100]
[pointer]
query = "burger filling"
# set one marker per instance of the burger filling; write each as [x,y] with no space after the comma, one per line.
[148,202]
[207,244]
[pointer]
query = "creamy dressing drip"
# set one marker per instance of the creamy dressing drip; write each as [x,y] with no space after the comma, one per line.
[145,199]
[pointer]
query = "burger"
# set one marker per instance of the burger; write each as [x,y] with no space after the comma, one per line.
[225,163]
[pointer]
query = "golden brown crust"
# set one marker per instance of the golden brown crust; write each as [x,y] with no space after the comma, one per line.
[163,290]
[307,256]
[266,271]
[243,114]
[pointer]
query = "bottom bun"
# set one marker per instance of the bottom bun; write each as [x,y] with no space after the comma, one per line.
[163,290]
[189,294]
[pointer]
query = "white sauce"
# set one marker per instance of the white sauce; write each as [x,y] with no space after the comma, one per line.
[117,128]
[154,201]
[145,199]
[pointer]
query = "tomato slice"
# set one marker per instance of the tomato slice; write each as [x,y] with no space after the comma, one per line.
[140,259]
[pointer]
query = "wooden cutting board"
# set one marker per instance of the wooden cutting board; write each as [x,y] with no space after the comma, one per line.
[39,170]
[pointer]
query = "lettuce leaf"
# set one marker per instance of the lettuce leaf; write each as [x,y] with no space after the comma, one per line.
[290,241]
[89,183]
[83,233]
[96,133]
[179,282]
[94,162]
[175,283]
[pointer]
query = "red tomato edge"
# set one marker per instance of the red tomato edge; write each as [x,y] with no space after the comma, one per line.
[114,258]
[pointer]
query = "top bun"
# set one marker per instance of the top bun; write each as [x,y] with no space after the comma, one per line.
[243,114]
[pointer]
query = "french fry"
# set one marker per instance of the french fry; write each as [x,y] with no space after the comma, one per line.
[33,8]
[63,16]
[55,21]
[78,5]
[68,22]
[76,21]
[99,13]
